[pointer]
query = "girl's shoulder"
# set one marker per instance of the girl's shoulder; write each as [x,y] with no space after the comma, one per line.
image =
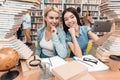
[85,28]
[59,29]
[60,32]
[41,28]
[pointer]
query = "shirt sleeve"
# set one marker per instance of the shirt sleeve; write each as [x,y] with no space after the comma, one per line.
[91,28]
[38,50]
[28,18]
[60,43]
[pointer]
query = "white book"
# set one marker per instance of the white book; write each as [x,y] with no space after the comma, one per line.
[9,13]
[100,66]
[9,9]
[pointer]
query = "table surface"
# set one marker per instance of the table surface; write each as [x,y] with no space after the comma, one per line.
[106,75]
[100,75]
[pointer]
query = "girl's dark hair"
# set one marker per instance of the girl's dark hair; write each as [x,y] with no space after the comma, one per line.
[74,11]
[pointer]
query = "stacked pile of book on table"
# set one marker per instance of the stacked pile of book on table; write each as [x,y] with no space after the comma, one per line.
[113,44]
[23,50]
[110,47]
[11,12]
[111,8]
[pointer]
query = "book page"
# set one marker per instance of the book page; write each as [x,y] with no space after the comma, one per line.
[54,61]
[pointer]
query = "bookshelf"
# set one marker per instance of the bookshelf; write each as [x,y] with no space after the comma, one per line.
[75,5]
[36,22]
[93,8]
[85,5]
[57,3]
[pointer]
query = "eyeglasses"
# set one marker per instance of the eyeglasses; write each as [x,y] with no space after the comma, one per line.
[90,60]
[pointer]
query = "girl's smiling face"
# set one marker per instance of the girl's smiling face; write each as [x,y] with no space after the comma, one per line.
[70,20]
[52,19]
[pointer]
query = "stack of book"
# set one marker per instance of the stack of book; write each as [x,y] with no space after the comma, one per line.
[23,51]
[11,12]
[9,24]
[111,8]
[72,71]
[112,44]
[110,47]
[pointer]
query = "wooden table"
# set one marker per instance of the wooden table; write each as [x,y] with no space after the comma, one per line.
[106,75]
[101,75]
[31,75]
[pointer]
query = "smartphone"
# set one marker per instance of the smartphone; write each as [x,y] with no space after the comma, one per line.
[102,26]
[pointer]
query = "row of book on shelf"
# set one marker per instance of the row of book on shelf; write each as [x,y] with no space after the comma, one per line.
[90,7]
[36,13]
[84,7]
[37,20]
[92,13]
[72,1]
[59,6]
[93,8]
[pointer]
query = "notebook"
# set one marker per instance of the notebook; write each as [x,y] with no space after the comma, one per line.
[100,66]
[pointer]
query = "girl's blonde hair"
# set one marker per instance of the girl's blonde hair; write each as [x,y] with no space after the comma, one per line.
[50,8]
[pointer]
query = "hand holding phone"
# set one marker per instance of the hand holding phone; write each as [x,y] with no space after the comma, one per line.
[102,26]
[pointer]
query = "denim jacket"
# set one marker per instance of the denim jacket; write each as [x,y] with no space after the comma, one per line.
[58,40]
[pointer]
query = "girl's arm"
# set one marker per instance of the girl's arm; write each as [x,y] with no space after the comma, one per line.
[74,46]
[100,41]
[60,42]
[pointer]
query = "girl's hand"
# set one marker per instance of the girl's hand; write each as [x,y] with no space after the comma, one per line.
[113,24]
[90,19]
[112,27]
[72,31]
[53,30]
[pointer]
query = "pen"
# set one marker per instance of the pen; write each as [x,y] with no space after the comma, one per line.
[84,62]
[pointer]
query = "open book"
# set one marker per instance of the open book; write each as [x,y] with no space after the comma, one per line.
[54,61]
[92,63]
